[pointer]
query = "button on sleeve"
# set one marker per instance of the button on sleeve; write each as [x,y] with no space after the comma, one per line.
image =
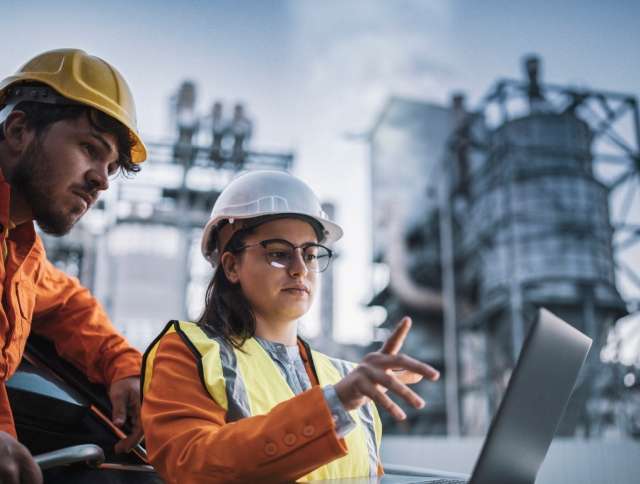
[270,449]
[308,430]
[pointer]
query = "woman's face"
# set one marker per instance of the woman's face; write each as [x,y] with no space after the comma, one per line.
[277,295]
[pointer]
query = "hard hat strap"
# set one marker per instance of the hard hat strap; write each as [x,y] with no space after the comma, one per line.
[37,94]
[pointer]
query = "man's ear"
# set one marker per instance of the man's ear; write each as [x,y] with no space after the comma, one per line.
[230,266]
[17,132]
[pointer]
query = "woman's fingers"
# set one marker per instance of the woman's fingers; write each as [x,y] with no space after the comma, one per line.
[396,340]
[391,383]
[366,387]
[381,372]
[411,364]
[407,377]
[404,376]
[402,362]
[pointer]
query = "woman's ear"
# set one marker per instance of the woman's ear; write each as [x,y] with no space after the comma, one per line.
[230,266]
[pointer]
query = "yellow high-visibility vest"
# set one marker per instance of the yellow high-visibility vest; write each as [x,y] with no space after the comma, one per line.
[262,386]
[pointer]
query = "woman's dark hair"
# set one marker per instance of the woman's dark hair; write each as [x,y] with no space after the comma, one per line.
[227,313]
[40,115]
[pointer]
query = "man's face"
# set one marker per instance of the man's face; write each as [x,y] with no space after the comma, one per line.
[63,170]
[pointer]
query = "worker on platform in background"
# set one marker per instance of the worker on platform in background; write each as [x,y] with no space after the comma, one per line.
[188,123]
[67,123]
[238,396]
[219,129]
[241,128]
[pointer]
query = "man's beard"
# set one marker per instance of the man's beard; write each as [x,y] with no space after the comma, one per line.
[31,178]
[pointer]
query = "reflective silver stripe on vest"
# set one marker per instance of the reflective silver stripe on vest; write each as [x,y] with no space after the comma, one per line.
[294,372]
[237,399]
[366,417]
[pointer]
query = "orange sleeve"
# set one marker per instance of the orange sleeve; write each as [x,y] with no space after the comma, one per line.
[66,313]
[6,417]
[188,439]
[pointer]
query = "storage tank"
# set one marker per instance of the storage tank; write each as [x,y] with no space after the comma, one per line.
[537,214]
[537,233]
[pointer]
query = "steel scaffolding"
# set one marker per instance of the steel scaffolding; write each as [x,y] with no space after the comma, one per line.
[529,146]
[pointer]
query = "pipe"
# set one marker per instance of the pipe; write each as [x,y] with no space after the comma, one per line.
[405,288]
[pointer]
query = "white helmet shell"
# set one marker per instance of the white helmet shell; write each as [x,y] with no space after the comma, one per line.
[265,192]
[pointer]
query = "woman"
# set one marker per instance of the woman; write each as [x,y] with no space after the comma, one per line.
[238,396]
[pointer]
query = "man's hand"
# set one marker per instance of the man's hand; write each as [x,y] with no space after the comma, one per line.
[384,370]
[16,463]
[125,401]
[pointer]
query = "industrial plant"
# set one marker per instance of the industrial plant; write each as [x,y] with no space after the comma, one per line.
[484,215]
[481,215]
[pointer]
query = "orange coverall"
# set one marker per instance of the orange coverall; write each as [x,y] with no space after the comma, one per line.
[36,295]
[189,440]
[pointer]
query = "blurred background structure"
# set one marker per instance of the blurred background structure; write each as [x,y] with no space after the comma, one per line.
[523,202]
[468,198]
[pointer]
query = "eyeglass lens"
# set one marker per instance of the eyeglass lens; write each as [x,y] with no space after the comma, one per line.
[280,255]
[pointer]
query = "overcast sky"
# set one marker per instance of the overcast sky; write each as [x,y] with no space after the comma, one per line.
[312,72]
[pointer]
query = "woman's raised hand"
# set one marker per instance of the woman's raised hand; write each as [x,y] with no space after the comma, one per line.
[383,370]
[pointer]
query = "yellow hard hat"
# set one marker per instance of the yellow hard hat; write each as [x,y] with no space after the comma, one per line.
[85,79]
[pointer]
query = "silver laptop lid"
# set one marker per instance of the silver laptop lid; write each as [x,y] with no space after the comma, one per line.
[532,407]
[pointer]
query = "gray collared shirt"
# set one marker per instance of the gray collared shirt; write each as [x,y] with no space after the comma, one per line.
[289,361]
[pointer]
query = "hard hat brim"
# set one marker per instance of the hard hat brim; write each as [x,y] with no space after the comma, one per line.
[332,232]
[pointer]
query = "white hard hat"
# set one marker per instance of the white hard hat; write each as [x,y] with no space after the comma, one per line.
[262,193]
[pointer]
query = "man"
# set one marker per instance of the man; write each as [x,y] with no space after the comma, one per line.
[67,123]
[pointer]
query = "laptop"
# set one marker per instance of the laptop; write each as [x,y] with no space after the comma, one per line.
[534,402]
